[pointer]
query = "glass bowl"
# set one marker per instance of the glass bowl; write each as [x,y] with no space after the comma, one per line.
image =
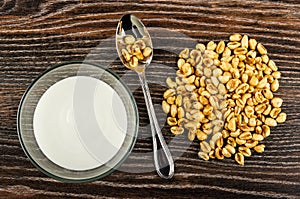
[77,122]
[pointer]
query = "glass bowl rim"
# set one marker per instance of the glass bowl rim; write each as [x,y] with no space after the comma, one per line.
[83,180]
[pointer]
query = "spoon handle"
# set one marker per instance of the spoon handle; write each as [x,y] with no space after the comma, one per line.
[163,160]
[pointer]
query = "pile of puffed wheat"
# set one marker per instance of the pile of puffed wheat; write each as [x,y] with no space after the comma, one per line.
[223,95]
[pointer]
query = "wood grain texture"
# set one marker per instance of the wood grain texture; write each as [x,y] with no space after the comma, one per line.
[37,34]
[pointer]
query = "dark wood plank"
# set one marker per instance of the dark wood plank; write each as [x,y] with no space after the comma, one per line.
[37,34]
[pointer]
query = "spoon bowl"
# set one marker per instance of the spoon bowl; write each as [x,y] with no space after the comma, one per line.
[133,38]
[135,50]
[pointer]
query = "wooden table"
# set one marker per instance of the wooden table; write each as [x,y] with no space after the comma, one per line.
[35,35]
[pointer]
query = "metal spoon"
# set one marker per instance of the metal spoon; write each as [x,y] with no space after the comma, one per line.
[133,45]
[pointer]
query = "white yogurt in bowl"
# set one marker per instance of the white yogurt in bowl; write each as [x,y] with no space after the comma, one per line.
[77,122]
